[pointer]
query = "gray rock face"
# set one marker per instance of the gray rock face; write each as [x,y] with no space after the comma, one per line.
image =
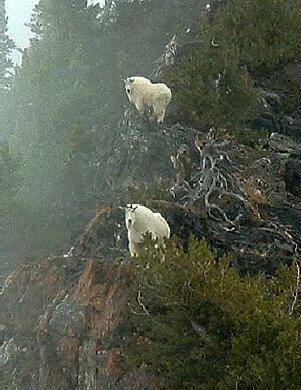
[140,155]
[233,196]
[292,176]
[283,144]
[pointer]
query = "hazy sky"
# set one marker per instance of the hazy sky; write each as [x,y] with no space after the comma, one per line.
[19,12]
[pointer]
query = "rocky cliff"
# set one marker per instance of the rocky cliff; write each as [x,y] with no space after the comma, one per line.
[62,317]
[59,315]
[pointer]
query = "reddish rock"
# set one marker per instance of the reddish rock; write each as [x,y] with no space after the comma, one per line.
[59,314]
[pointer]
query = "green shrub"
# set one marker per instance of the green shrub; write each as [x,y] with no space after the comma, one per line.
[214,84]
[266,33]
[290,88]
[254,138]
[211,87]
[198,325]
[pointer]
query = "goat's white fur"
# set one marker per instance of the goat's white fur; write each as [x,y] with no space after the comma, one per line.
[144,94]
[141,220]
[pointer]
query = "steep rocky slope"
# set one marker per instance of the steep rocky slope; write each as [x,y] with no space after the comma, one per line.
[62,317]
[65,310]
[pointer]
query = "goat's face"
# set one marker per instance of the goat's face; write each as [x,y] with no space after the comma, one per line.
[130,215]
[127,85]
[128,82]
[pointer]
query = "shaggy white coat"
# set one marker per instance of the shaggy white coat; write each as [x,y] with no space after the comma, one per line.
[144,94]
[140,220]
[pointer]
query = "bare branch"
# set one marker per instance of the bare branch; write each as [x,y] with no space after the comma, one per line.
[215,179]
[297,289]
[141,303]
[135,312]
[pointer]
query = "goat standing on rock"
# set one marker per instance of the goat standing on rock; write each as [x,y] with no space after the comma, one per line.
[141,220]
[146,95]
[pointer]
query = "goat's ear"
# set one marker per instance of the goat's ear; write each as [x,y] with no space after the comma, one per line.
[122,208]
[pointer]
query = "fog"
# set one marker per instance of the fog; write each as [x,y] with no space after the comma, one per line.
[62,108]
[190,109]
[19,13]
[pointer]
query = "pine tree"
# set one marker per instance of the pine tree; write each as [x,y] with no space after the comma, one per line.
[199,325]
[6,45]
[9,163]
[52,94]
[69,94]
[9,173]
[6,73]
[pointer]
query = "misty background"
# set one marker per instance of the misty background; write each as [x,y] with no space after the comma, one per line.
[19,14]
[61,105]
[224,167]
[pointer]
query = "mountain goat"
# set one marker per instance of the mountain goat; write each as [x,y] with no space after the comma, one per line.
[140,220]
[144,94]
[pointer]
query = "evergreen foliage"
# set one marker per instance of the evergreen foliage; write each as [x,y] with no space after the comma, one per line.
[198,325]
[6,74]
[6,45]
[52,96]
[10,183]
[265,33]
[68,97]
[214,85]
[211,88]
[10,177]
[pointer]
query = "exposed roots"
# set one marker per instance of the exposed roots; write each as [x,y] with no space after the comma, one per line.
[229,191]
[216,181]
